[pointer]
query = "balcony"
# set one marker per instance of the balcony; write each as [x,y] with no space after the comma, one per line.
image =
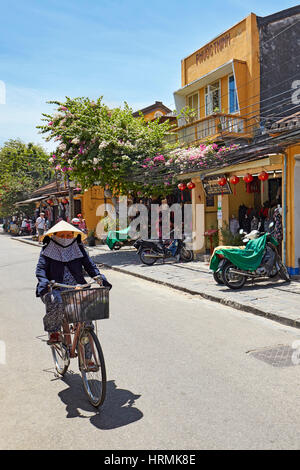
[217,126]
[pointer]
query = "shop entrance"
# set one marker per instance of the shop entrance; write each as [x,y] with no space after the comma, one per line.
[254,205]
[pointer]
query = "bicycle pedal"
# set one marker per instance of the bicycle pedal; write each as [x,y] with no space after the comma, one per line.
[91,368]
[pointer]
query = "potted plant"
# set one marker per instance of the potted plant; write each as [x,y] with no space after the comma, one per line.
[91,238]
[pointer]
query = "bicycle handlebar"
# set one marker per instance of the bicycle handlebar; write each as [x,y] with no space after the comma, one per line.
[67,286]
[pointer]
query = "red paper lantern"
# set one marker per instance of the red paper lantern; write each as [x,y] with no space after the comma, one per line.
[234,180]
[181,186]
[248,178]
[222,181]
[263,176]
[191,185]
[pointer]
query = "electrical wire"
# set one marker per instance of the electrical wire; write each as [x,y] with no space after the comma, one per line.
[261,75]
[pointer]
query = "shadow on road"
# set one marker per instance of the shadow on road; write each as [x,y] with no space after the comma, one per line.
[258,284]
[118,409]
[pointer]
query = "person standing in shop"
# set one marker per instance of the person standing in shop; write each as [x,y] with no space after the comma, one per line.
[82,224]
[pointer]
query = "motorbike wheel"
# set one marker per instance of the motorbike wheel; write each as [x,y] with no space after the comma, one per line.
[144,259]
[274,271]
[232,280]
[218,277]
[117,246]
[284,274]
[186,255]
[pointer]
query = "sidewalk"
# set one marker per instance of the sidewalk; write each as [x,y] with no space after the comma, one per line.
[275,300]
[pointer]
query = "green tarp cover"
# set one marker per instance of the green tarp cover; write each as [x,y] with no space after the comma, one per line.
[114,236]
[247,259]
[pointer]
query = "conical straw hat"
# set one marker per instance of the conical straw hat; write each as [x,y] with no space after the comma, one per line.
[63,226]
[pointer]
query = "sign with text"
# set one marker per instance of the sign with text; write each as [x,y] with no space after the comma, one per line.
[213,48]
[211,186]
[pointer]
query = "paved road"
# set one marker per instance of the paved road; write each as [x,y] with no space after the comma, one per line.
[274,298]
[179,370]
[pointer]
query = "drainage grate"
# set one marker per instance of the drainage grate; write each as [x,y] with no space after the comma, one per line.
[278,356]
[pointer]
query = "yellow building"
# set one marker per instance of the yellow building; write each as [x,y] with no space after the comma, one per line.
[219,101]
[154,111]
[220,81]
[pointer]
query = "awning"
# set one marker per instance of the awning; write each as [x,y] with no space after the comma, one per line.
[206,79]
[28,201]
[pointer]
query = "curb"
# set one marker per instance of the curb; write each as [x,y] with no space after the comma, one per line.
[28,242]
[213,298]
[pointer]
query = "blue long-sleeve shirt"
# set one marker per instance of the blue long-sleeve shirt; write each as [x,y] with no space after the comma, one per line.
[49,269]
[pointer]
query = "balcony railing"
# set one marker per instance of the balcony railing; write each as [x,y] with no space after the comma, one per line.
[216,126]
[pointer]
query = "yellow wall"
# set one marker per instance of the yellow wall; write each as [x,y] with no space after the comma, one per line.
[241,44]
[90,201]
[151,116]
[290,189]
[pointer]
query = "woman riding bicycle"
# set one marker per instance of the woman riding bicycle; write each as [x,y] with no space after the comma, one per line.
[62,259]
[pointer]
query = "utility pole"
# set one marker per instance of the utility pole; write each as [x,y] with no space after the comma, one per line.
[71,185]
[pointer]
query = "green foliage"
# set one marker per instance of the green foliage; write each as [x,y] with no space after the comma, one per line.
[230,239]
[23,168]
[188,114]
[101,145]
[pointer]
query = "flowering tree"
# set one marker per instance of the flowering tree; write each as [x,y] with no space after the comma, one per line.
[103,146]
[164,169]
[199,158]
[109,147]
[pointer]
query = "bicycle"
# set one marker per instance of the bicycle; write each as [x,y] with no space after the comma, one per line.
[82,306]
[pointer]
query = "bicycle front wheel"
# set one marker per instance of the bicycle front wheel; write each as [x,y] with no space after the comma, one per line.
[92,367]
[61,358]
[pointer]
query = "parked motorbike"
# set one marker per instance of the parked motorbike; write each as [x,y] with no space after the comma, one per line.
[117,238]
[24,231]
[271,265]
[150,251]
[118,244]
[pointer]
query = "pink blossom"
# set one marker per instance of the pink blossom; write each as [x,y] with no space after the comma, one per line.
[159,158]
[50,123]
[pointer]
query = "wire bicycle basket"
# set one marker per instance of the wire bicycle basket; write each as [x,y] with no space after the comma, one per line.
[82,305]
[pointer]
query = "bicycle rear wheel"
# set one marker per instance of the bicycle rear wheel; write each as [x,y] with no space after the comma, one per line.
[92,367]
[61,357]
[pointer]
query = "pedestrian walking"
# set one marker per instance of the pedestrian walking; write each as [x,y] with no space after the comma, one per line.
[40,225]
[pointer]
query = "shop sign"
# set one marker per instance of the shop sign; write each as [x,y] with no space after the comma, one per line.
[213,48]
[212,188]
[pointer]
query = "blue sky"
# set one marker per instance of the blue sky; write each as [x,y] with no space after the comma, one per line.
[123,50]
